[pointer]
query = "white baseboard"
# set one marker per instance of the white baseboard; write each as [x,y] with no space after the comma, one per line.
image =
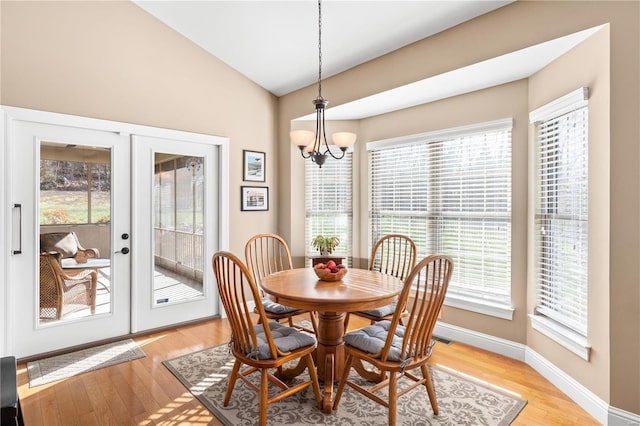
[591,403]
[618,417]
[481,340]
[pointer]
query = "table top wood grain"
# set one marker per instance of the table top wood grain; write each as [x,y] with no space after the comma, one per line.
[358,290]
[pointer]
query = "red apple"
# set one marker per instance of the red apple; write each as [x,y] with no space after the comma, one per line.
[331,264]
[320,265]
[341,266]
[334,270]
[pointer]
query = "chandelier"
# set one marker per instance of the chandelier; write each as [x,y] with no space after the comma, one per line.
[310,144]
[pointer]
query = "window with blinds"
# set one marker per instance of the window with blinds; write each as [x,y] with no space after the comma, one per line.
[561,213]
[328,203]
[451,194]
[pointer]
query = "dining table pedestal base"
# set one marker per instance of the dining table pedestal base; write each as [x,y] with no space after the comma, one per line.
[330,353]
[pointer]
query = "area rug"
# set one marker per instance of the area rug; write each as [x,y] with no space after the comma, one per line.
[461,402]
[67,365]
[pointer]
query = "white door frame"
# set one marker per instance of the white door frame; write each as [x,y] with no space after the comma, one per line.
[9,114]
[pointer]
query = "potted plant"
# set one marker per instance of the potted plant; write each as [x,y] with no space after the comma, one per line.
[325,245]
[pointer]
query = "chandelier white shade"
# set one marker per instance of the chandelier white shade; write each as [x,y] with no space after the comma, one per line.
[344,139]
[302,137]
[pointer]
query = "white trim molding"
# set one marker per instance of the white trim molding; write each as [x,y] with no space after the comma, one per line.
[618,417]
[561,335]
[472,304]
[437,135]
[480,340]
[590,402]
[4,277]
[564,104]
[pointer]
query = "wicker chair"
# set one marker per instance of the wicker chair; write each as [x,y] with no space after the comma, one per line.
[393,254]
[395,349]
[263,346]
[58,289]
[67,244]
[266,254]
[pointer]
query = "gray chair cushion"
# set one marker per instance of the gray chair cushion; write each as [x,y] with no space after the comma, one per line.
[371,339]
[382,311]
[276,308]
[286,339]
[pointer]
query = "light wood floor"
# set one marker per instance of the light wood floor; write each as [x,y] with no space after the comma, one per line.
[144,392]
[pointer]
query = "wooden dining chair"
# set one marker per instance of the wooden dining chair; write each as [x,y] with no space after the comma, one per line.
[266,254]
[393,254]
[395,349]
[263,346]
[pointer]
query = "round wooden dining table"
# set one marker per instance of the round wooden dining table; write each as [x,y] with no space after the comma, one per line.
[358,290]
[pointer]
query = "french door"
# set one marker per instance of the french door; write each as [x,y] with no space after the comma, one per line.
[176,217]
[34,325]
[150,204]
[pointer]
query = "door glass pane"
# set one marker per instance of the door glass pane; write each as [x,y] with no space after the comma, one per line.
[178,200]
[75,231]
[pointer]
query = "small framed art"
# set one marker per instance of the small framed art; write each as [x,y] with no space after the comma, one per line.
[254,198]
[253,164]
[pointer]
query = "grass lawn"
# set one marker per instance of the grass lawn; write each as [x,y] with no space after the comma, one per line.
[66,207]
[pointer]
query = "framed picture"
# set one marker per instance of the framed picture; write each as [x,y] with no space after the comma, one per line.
[254,198]
[253,164]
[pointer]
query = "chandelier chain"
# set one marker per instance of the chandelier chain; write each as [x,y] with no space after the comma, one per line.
[319,49]
[318,148]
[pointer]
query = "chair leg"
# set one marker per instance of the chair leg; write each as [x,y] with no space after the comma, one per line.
[430,389]
[343,381]
[232,382]
[347,316]
[393,397]
[314,321]
[264,388]
[313,375]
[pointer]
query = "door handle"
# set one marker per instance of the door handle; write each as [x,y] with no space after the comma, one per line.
[123,250]
[19,233]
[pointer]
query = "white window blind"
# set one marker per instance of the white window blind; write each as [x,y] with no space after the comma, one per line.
[450,195]
[328,203]
[561,214]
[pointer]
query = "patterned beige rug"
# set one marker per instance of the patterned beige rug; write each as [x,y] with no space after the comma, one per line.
[461,402]
[67,365]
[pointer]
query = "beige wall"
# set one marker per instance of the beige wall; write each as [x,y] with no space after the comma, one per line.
[587,65]
[112,60]
[609,64]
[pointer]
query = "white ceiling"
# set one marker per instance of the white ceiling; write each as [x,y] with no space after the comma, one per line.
[275,43]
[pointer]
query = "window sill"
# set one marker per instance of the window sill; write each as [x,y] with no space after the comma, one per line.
[561,335]
[480,306]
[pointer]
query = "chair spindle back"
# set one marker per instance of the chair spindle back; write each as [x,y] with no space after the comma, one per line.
[394,254]
[266,254]
[423,293]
